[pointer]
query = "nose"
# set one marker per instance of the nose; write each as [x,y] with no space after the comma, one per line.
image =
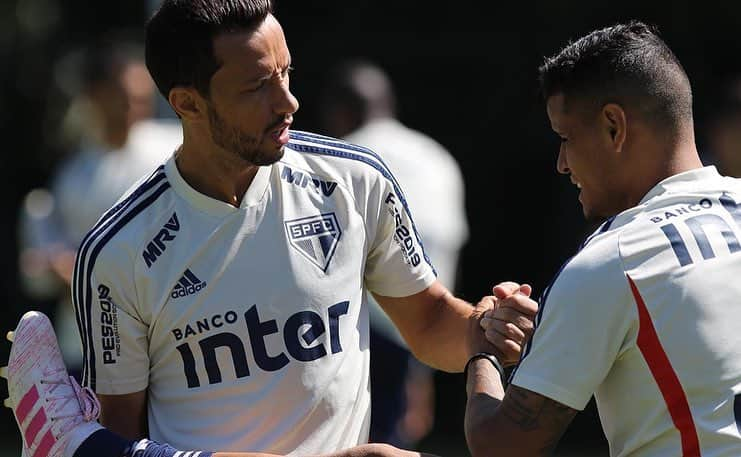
[562,164]
[285,102]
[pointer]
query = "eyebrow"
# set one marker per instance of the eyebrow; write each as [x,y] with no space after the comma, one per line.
[256,79]
[266,76]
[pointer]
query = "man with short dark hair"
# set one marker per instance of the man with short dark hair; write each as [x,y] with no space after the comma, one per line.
[222,303]
[645,315]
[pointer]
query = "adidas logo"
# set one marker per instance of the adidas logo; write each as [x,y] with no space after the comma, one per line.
[188,284]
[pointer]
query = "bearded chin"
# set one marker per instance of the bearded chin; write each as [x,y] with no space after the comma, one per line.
[240,144]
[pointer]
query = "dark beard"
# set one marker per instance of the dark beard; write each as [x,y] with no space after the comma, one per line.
[242,145]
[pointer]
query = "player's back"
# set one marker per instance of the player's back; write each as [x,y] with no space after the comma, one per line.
[677,382]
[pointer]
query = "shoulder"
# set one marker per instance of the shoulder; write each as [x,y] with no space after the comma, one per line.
[595,273]
[125,227]
[616,248]
[602,243]
[675,229]
[404,146]
[341,160]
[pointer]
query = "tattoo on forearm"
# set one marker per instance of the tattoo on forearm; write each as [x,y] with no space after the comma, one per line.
[533,412]
[522,412]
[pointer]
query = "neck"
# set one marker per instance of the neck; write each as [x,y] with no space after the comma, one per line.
[682,156]
[213,171]
[670,160]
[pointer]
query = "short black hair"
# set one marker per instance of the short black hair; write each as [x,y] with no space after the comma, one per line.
[180,34]
[628,64]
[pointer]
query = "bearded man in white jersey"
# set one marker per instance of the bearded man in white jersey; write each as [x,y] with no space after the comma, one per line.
[222,303]
[645,316]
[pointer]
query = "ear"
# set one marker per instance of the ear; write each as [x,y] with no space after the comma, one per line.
[615,124]
[187,103]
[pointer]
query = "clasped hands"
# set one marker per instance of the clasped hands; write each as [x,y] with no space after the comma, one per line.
[502,323]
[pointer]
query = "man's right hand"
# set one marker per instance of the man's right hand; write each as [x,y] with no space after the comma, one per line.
[509,324]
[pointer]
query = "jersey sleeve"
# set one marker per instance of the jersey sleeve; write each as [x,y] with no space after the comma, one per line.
[397,265]
[581,328]
[114,337]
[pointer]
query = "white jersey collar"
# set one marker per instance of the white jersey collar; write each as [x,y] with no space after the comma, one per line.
[681,182]
[254,195]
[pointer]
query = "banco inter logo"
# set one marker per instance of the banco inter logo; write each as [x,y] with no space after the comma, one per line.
[188,284]
[315,237]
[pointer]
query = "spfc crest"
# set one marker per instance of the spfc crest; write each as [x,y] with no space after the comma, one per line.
[315,237]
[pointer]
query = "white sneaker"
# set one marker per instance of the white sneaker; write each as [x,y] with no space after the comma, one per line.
[54,414]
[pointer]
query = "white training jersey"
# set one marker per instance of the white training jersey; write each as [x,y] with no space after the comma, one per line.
[248,326]
[646,316]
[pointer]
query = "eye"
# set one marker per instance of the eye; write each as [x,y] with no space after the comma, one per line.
[286,71]
[256,87]
[563,139]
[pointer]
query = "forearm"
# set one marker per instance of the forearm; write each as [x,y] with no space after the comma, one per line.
[444,331]
[485,393]
[366,450]
[443,341]
[125,415]
[239,454]
[376,450]
[522,424]
[435,325]
[133,428]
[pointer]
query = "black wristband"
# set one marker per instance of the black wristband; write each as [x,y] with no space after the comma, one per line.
[491,358]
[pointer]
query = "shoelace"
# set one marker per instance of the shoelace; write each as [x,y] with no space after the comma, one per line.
[89,406]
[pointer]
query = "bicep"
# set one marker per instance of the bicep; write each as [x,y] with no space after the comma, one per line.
[125,414]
